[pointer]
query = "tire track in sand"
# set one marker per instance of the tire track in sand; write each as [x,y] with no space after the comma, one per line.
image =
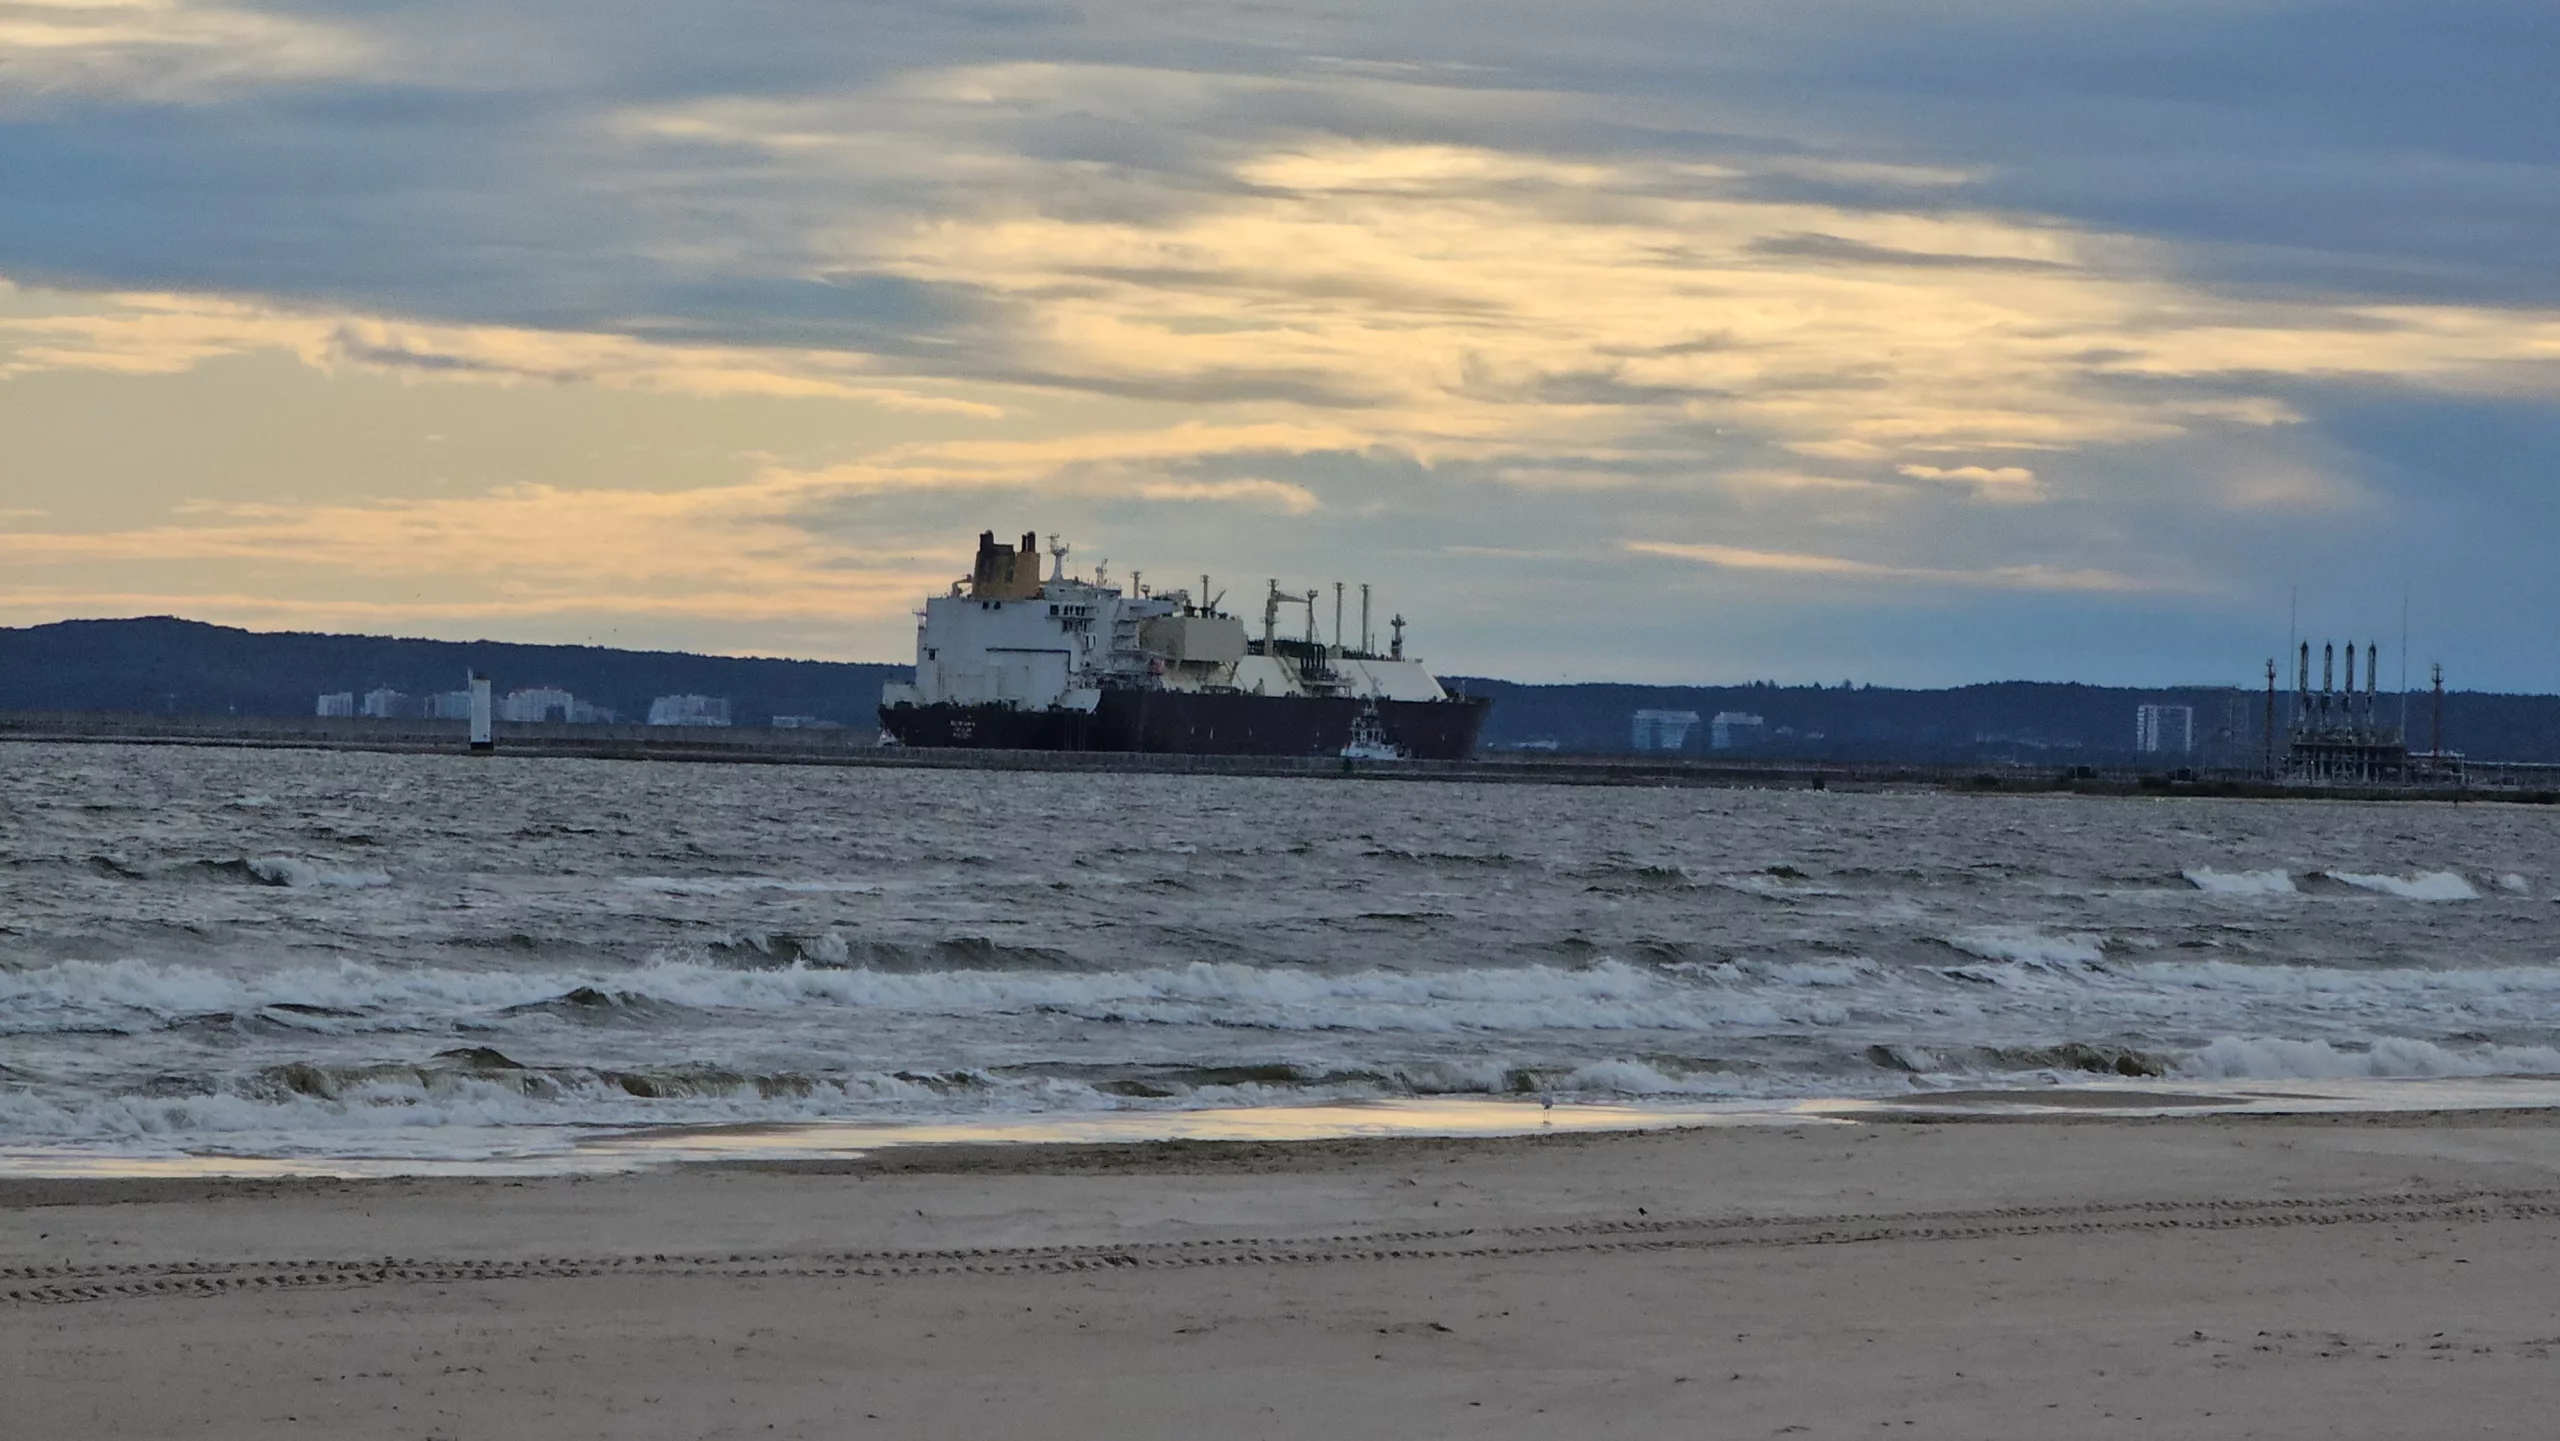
[72,1284]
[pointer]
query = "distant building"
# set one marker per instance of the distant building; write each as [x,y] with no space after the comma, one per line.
[1732,730]
[689,710]
[1662,730]
[386,702]
[338,703]
[448,705]
[537,704]
[2164,729]
[805,723]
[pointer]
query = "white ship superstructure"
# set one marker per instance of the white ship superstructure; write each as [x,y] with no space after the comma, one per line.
[998,639]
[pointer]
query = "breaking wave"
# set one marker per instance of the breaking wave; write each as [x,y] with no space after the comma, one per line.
[2240,883]
[2424,886]
[2021,946]
[2235,1058]
[301,874]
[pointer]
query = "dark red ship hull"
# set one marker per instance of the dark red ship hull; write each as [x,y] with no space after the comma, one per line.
[1196,723]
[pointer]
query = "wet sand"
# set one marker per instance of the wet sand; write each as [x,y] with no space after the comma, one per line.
[2338,1276]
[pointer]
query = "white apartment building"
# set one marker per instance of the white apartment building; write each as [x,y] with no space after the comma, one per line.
[689,710]
[534,705]
[1735,730]
[1662,730]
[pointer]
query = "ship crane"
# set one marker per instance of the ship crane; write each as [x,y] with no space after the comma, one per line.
[1271,614]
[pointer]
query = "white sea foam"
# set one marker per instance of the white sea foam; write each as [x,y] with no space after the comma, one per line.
[1776,887]
[742,885]
[2424,886]
[467,1102]
[1829,972]
[290,871]
[2240,883]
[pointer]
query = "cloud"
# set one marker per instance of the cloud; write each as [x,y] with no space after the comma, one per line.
[145,334]
[2003,483]
[1181,462]
[2005,577]
[729,552]
[1821,283]
[736,552]
[1273,494]
[164,50]
[1377,275]
[1551,308]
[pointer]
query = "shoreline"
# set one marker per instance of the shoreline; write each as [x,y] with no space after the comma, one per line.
[1182,1156]
[1033,1142]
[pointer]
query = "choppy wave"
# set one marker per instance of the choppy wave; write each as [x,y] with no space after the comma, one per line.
[720,943]
[133,994]
[2017,981]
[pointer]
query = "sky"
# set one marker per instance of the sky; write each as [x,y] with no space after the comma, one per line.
[1645,340]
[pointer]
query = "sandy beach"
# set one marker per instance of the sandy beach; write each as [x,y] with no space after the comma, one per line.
[2196,1276]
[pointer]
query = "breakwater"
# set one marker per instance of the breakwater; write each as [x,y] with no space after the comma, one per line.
[748,745]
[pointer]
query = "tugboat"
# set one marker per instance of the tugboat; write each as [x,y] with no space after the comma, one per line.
[1012,658]
[1369,739]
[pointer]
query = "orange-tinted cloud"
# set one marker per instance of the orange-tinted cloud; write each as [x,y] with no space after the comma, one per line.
[2003,577]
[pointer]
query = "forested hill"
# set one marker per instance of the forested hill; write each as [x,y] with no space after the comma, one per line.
[164,665]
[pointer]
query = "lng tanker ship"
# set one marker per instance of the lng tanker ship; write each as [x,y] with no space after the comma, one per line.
[1014,659]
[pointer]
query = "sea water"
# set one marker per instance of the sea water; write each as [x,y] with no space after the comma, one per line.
[296,954]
